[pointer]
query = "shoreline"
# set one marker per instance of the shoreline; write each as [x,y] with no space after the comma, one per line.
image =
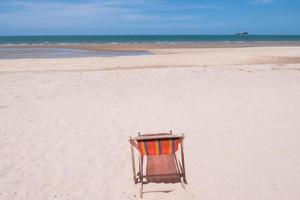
[151,47]
[56,53]
[161,58]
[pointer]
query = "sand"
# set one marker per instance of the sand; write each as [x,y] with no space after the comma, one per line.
[162,58]
[65,123]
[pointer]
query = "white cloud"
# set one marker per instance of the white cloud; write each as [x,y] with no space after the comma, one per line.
[99,15]
[257,2]
[192,7]
[60,14]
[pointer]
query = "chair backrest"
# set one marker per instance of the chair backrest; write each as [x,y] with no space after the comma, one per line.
[156,144]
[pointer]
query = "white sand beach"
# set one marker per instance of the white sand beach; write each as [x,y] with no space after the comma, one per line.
[65,123]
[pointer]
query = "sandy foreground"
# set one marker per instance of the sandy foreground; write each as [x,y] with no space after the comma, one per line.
[65,123]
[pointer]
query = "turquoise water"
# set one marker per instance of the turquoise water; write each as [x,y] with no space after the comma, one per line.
[111,39]
[21,53]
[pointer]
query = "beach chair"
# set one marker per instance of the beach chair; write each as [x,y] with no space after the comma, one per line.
[162,164]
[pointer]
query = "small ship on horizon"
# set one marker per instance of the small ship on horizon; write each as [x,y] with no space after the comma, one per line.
[242,34]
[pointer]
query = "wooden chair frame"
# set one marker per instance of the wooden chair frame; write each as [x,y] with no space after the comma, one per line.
[139,176]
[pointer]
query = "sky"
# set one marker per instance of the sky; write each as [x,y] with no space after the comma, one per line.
[135,17]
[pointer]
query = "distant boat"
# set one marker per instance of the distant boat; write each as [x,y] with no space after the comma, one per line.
[242,34]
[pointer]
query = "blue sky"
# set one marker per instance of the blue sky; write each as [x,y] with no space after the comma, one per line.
[53,17]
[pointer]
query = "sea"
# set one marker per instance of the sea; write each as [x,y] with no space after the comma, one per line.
[11,46]
[115,39]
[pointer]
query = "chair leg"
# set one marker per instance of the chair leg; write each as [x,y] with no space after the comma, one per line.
[141,190]
[142,174]
[182,184]
[133,164]
[184,178]
[182,161]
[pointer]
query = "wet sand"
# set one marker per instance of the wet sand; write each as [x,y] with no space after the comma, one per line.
[154,46]
[161,58]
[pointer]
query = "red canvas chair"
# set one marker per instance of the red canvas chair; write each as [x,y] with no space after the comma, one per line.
[162,164]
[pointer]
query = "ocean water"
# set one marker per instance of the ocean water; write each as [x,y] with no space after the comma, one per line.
[20,53]
[115,39]
[12,47]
